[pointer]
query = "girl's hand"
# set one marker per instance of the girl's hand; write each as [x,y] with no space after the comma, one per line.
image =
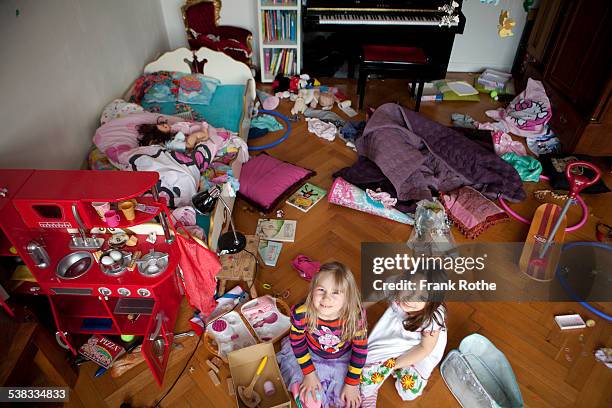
[311,384]
[350,396]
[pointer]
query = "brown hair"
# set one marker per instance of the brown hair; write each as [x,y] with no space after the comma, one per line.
[434,310]
[351,314]
[150,135]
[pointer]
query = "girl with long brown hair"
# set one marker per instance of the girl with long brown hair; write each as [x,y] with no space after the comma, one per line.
[407,342]
[322,358]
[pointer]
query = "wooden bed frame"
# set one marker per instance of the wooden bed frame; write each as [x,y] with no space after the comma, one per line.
[230,72]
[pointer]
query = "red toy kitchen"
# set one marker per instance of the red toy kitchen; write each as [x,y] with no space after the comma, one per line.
[72,230]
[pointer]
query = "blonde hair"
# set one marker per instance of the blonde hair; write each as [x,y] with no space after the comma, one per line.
[351,314]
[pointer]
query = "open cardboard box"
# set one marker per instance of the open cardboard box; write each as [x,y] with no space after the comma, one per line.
[243,364]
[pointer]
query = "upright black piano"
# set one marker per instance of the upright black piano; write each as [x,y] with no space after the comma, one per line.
[335,30]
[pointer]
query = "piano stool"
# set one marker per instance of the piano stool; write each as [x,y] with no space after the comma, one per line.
[394,62]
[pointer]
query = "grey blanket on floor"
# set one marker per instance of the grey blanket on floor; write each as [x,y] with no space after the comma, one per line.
[419,155]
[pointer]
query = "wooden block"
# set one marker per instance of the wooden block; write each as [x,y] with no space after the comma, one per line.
[214,378]
[212,366]
[217,362]
[230,386]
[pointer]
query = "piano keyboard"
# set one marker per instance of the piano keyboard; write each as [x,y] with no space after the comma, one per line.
[381,19]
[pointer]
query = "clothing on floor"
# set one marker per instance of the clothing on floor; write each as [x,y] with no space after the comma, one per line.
[266,122]
[256,132]
[464,121]
[527,167]
[326,342]
[352,130]
[322,129]
[527,114]
[325,116]
[503,144]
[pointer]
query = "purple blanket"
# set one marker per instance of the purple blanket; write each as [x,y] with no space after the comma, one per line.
[419,155]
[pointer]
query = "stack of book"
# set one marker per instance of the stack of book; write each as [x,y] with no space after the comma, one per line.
[492,80]
[281,61]
[279,25]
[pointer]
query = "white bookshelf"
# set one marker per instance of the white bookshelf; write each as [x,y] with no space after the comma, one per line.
[285,44]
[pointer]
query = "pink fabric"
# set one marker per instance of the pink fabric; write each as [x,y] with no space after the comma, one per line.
[472,212]
[526,115]
[503,143]
[306,267]
[118,139]
[200,266]
[264,180]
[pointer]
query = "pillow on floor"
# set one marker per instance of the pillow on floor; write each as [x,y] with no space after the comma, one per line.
[265,181]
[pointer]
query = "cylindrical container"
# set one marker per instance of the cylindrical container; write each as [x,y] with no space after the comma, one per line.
[269,388]
[127,207]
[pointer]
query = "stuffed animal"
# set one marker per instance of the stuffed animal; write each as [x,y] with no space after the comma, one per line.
[326,99]
[281,83]
[299,106]
[311,96]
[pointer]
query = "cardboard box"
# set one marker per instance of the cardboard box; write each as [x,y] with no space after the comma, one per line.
[243,365]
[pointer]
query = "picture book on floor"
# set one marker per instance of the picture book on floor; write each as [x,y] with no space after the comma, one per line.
[269,251]
[306,197]
[276,230]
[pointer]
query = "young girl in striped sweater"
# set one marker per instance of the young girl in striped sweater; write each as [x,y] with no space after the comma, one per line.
[322,358]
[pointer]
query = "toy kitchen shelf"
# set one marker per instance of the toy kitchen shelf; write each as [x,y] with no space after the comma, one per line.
[38,211]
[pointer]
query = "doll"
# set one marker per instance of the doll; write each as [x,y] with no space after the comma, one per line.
[180,136]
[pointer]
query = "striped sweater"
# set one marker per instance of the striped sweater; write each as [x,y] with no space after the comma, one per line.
[325,342]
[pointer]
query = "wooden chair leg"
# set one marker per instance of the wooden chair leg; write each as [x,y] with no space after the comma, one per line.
[361,84]
[418,96]
[412,88]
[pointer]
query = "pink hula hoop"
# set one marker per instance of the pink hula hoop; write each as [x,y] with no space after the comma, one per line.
[579,199]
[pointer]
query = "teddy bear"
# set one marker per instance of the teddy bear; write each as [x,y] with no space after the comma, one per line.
[299,106]
[326,99]
[311,96]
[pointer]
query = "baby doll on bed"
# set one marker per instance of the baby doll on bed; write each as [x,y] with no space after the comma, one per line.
[180,136]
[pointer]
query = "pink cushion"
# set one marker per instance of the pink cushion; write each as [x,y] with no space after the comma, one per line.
[387,53]
[265,181]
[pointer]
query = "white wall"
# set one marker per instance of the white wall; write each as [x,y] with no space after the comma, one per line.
[62,62]
[479,46]
[239,13]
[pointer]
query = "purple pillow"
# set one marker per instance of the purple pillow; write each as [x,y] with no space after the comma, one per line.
[265,181]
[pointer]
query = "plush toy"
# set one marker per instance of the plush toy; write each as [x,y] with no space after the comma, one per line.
[281,83]
[326,99]
[299,106]
[311,96]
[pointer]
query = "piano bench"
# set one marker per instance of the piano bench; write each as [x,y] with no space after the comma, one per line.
[393,61]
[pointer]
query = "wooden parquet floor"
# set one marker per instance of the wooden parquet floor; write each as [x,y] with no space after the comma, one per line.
[553,368]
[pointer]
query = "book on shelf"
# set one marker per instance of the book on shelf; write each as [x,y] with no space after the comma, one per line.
[306,197]
[269,251]
[276,229]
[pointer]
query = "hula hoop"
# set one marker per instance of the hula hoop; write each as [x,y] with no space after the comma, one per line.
[280,139]
[569,290]
[580,224]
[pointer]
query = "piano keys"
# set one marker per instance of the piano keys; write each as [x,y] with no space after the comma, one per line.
[335,30]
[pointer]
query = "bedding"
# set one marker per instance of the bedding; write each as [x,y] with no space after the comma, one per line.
[202,96]
[420,156]
[180,173]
